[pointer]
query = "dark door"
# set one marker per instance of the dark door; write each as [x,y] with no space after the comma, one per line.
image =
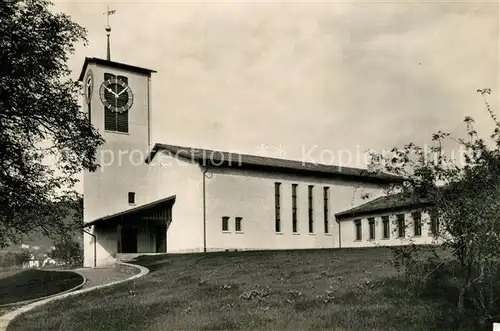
[161,239]
[129,240]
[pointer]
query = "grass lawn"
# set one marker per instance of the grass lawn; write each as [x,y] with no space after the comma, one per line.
[31,284]
[342,289]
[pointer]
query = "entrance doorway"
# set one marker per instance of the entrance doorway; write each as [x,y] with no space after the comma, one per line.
[161,239]
[129,240]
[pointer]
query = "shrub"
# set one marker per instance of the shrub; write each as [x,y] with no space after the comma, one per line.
[69,252]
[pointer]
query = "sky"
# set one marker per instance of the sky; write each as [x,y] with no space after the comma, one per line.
[303,79]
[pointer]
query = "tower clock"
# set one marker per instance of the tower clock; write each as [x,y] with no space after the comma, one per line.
[116,95]
[88,86]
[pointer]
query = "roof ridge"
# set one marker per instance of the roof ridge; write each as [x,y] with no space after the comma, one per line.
[262,157]
[231,159]
[393,200]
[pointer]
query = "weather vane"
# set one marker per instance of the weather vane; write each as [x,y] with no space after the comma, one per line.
[108,29]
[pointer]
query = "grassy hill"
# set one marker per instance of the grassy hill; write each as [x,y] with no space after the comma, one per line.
[342,289]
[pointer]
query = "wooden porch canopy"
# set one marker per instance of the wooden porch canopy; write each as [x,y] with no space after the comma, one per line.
[159,211]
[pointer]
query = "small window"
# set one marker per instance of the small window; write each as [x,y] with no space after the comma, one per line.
[131,197]
[357,226]
[237,224]
[225,223]
[386,227]
[371,223]
[401,225]
[417,223]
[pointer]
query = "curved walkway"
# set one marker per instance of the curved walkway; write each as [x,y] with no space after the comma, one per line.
[101,276]
[95,279]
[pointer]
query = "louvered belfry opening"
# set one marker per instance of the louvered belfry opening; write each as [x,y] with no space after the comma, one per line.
[115,121]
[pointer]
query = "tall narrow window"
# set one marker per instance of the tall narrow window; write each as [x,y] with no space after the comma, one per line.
[417,223]
[357,228]
[294,208]
[401,225]
[434,222]
[237,224]
[225,223]
[311,208]
[371,224]
[325,208]
[113,120]
[386,227]
[277,205]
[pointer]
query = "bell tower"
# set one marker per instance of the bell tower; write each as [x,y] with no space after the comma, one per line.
[118,104]
[117,101]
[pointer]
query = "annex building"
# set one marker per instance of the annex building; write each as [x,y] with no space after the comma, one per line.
[153,197]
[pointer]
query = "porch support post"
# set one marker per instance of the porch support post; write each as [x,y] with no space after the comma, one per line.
[119,236]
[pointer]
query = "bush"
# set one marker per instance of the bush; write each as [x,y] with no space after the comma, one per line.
[69,252]
[11,260]
[462,197]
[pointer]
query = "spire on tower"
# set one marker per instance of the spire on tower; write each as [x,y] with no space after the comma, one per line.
[108,30]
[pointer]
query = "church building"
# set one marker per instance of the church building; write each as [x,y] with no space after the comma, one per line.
[152,197]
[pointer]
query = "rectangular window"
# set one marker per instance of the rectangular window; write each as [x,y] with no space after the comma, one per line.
[434,222]
[401,225]
[115,121]
[237,224]
[325,208]
[294,208]
[311,208]
[417,223]
[131,197]
[386,227]
[357,227]
[225,223]
[277,205]
[371,223]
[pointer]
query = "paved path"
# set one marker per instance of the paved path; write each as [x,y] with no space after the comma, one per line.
[93,277]
[96,278]
[101,276]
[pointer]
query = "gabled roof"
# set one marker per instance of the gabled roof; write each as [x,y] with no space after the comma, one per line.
[219,159]
[143,208]
[112,64]
[388,203]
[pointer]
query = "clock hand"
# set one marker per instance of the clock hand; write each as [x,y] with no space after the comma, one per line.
[122,91]
[110,90]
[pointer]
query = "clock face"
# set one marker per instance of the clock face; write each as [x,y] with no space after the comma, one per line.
[88,86]
[116,95]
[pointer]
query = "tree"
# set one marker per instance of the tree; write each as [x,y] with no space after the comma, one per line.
[23,256]
[39,118]
[464,193]
[68,251]
[14,259]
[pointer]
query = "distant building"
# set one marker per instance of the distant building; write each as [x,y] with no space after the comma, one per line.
[388,221]
[32,263]
[47,261]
